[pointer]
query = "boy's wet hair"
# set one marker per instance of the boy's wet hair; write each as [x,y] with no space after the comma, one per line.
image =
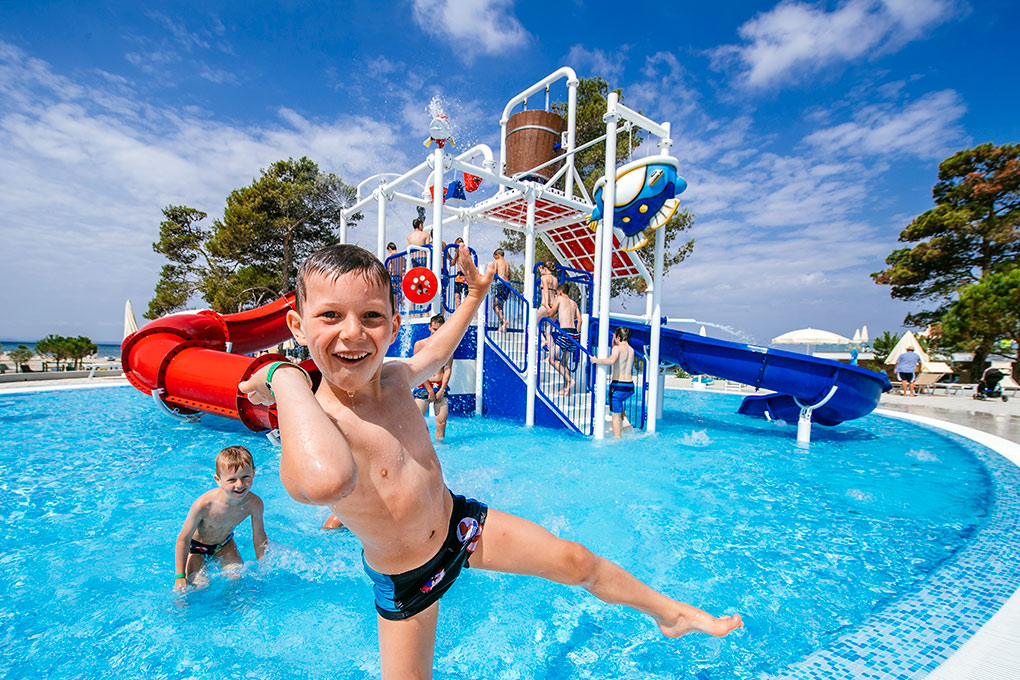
[417,222]
[498,251]
[335,261]
[391,246]
[623,334]
[438,318]
[563,288]
[233,458]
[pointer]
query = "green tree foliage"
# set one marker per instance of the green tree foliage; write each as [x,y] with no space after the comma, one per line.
[973,231]
[21,355]
[884,344]
[250,255]
[80,347]
[55,347]
[985,313]
[590,163]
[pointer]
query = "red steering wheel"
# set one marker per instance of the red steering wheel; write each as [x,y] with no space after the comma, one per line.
[420,285]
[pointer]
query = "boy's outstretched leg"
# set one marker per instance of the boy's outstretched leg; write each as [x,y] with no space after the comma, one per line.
[406,648]
[514,545]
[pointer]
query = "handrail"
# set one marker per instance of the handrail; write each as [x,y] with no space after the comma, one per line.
[449,292]
[576,407]
[503,299]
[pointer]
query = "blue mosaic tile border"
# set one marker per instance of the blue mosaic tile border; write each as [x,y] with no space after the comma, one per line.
[911,637]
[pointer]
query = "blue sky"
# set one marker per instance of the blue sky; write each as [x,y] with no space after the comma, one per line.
[810,133]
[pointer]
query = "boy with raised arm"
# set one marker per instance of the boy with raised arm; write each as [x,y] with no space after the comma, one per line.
[213,516]
[359,445]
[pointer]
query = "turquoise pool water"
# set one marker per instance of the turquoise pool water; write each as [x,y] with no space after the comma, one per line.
[720,510]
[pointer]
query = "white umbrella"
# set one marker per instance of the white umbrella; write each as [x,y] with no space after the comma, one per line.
[810,336]
[857,336]
[702,332]
[864,334]
[130,322]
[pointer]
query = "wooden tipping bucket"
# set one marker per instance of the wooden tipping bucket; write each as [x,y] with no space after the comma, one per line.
[530,138]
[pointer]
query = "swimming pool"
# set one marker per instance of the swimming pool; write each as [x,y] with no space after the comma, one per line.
[719,510]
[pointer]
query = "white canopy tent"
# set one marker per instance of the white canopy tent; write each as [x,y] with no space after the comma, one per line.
[810,337]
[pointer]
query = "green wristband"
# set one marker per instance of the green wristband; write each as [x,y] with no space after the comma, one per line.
[276,365]
[180,575]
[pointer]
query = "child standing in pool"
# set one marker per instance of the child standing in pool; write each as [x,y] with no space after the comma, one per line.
[213,516]
[359,445]
[621,386]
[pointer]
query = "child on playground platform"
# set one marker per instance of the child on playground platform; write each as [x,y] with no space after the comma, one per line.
[621,385]
[359,445]
[213,516]
[569,317]
[434,389]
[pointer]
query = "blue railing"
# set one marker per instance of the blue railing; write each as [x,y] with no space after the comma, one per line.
[398,265]
[454,285]
[636,408]
[565,376]
[506,323]
[580,279]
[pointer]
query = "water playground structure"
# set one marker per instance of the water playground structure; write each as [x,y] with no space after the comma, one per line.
[191,363]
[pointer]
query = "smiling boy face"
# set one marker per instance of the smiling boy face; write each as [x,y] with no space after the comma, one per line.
[235,483]
[347,323]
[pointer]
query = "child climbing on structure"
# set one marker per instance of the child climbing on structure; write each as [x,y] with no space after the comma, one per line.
[359,445]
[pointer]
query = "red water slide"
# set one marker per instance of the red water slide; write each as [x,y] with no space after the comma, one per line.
[193,362]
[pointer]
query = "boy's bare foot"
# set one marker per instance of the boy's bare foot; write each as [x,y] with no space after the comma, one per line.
[693,620]
[566,388]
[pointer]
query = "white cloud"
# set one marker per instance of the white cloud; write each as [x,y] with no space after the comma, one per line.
[796,38]
[472,27]
[928,128]
[608,65]
[87,166]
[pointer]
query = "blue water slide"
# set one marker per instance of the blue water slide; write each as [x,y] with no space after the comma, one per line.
[845,392]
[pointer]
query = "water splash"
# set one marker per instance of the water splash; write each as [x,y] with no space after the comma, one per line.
[696,438]
[923,456]
[735,332]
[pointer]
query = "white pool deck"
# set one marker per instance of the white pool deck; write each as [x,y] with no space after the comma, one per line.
[993,652]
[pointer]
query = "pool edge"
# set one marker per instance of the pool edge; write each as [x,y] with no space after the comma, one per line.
[993,651]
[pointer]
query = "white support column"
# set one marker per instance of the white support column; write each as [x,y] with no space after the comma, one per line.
[605,266]
[437,227]
[529,295]
[479,357]
[380,246]
[571,134]
[655,322]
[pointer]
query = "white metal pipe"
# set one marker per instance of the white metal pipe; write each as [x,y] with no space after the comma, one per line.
[437,227]
[647,123]
[529,295]
[608,206]
[656,329]
[629,317]
[343,228]
[571,133]
[410,175]
[381,227]
[477,150]
[479,357]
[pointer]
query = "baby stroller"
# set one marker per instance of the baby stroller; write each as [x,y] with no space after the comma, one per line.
[988,386]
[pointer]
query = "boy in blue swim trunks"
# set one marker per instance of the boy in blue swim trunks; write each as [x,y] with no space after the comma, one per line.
[208,531]
[621,386]
[358,444]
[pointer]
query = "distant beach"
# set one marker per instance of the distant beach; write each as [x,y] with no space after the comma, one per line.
[105,349]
